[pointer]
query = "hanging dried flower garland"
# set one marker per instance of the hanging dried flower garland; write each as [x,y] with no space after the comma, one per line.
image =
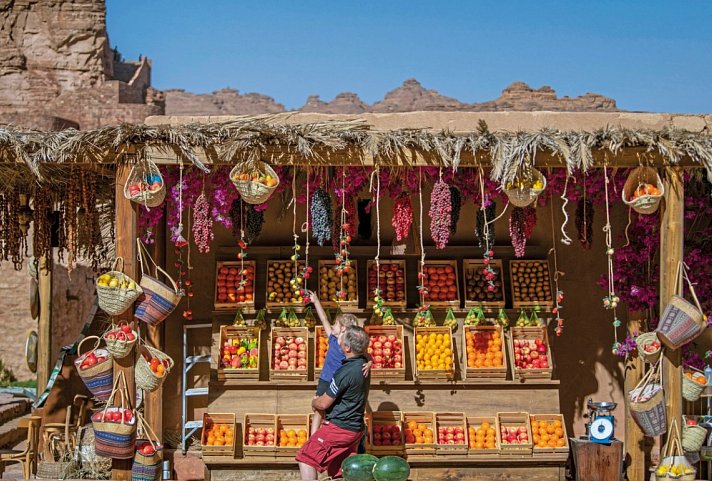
[321,216]
[440,211]
[202,224]
[521,227]
[402,216]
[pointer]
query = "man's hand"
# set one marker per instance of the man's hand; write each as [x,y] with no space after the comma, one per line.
[323,402]
[367,368]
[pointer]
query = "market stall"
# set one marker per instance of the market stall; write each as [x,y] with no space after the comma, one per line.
[474,313]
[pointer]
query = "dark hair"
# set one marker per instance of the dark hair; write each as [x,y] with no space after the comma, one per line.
[356,338]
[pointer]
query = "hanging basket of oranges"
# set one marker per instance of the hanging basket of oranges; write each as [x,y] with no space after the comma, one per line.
[524,189]
[152,367]
[257,186]
[643,190]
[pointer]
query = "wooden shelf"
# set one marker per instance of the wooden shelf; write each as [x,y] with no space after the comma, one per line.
[390,385]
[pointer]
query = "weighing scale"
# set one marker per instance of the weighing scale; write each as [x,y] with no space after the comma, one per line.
[601,422]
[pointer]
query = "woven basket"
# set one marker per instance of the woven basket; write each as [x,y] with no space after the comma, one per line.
[524,196]
[649,414]
[643,204]
[56,470]
[158,299]
[116,440]
[254,192]
[119,348]
[114,300]
[673,455]
[681,321]
[706,453]
[693,437]
[145,378]
[642,341]
[147,468]
[692,390]
[138,186]
[99,378]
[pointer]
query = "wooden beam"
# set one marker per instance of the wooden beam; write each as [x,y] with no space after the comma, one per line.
[126,248]
[44,328]
[634,437]
[671,254]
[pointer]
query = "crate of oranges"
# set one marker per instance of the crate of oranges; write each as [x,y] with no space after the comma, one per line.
[418,428]
[321,346]
[234,285]
[482,435]
[434,355]
[484,352]
[218,437]
[549,433]
[260,434]
[292,433]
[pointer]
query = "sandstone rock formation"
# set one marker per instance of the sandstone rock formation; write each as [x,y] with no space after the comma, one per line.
[343,103]
[222,102]
[412,96]
[520,96]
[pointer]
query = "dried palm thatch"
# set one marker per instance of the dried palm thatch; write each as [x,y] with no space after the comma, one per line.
[249,139]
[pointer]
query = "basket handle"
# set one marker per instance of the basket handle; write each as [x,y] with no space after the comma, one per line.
[118,261]
[150,434]
[644,382]
[142,250]
[682,267]
[114,390]
[96,344]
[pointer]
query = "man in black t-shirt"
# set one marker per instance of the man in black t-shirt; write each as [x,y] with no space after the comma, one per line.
[344,403]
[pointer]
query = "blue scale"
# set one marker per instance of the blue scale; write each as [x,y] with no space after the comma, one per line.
[601,422]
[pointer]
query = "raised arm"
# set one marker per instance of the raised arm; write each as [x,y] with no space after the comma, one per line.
[320,312]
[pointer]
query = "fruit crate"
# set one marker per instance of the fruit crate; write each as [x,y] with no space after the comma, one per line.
[211,419]
[434,374]
[259,421]
[529,333]
[318,333]
[485,372]
[473,424]
[412,422]
[446,272]
[522,273]
[394,373]
[393,272]
[227,334]
[386,418]
[456,421]
[549,419]
[516,420]
[289,333]
[280,272]
[228,294]
[473,280]
[291,422]
[327,273]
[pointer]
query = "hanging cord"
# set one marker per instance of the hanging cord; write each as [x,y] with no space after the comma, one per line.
[294,223]
[422,247]
[610,302]
[627,226]
[559,294]
[305,229]
[378,229]
[565,239]
[343,234]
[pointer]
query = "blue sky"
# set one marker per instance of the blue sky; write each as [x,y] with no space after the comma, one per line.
[648,55]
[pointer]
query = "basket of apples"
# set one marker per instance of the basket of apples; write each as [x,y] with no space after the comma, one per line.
[290,353]
[152,367]
[257,186]
[649,347]
[120,340]
[96,369]
[145,185]
[115,425]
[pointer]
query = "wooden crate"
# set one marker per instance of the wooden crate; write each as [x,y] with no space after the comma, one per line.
[259,421]
[211,419]
[434,374]
[426,418]
[451,420]
[324,298]
[228,333]
[484,373]
[296,422]
[271,265]
[549,418]
[318,332]
[227,277]
[529,333]
[395,373]
[475,422]
[472,271]
[430,281]
[398,272]
[288,375]
[514,420]
[517,283]
[381,418]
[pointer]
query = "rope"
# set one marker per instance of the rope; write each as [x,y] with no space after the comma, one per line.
[565,239]
[611,302]
[422,247]
[305,229]
[559,320]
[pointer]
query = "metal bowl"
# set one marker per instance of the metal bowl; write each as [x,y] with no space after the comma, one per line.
[602,406]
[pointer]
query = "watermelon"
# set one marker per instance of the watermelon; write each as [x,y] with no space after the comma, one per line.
[358,467]
[391,468]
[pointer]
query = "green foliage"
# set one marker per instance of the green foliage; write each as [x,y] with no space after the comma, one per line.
[7,377]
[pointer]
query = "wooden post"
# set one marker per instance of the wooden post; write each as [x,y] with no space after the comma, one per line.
[634,438]
[126,248]
[44,328]
[671,253]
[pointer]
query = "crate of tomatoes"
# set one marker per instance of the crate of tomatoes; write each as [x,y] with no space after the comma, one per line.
[440,280]
[234,285]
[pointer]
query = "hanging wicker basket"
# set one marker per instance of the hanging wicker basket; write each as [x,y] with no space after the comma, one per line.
[643,190]
[99,378]
[145,184]
[253,191]
[646,339]
[146,379]
[691,389]
[521,191]
[647,404]
[117,300]
[119,346]
[693,437]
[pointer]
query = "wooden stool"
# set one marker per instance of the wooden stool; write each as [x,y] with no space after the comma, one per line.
[597,462]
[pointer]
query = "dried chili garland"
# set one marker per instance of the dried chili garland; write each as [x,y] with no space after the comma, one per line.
[202,224]
[402,216]
[42,232]
[521,227]
[440,213]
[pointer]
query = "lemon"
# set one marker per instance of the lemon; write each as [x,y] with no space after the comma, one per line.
[114,283]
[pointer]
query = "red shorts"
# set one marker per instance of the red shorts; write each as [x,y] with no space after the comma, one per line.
[327,448]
